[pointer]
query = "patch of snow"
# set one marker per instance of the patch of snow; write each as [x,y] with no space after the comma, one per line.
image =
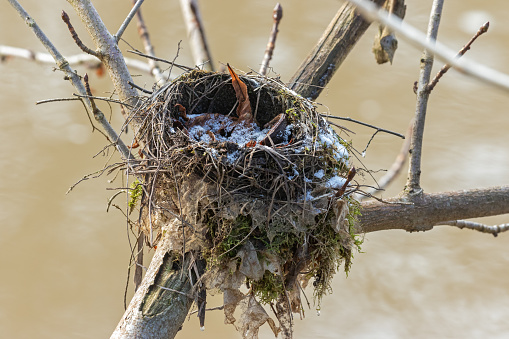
[336,182]
[320,174]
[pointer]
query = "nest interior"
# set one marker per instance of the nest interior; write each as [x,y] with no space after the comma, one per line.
[265,202]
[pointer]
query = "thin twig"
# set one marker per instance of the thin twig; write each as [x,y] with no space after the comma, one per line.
[182,67]
[417,38]
[63,65]
[396,167]
[75,36]
[196,34]
[495,230]
[277,14]
[378,129]
[483,29]
[155,70]
[128,19]
[414,172]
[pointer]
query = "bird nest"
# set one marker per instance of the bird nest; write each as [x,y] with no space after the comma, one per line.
[247,174]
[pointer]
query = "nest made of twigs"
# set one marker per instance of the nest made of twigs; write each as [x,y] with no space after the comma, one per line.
[263,204]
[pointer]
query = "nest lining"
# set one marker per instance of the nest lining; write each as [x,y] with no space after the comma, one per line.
[269,212]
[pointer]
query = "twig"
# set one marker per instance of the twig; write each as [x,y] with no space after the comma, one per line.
[396,167]
[128,20]
[277,14]
[71,75]
[483,29]
[495,230]
[414,172]
[155,70]
[378,129]
[182,67]
[75,36]
[140,88]
[196,34]
[417,38]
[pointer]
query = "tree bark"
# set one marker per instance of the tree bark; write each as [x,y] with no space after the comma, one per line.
[337,41]
[422,212]
[155,312]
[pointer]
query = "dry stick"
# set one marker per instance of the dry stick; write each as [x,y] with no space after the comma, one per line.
[363,124]
[413,186]
[315,72]
[155,70]
[417,38]
[396,167]
[128,19]
[483,29]
[495,230]
[63,65]
[277,14]
[196,34]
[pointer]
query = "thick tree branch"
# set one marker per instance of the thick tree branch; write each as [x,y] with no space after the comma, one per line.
[337,41]
[422,213]
[162,301]
[107,50]
[417,38]
[413,185]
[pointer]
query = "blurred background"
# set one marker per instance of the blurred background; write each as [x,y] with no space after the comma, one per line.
[64,259]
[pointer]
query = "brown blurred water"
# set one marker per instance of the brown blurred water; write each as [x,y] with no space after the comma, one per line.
[64,259]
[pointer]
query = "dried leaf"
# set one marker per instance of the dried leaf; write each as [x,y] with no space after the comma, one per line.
[244,108]
[253,316]
[250,265]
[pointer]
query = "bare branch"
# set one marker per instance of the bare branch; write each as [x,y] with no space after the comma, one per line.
[414,172]
[495,230]
[128,19]
[417,38]
[483,29]
[277,14]
[315,72]
[72,76]
[155,70]
[421,213]
[196,34]
[88,60]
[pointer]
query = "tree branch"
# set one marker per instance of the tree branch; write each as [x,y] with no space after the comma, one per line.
[73,60]
[413,185]
[196,34]
[417,38]
[337,41]
[422,213]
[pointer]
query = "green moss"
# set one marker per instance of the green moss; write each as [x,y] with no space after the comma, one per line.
[135,193]
[269,288]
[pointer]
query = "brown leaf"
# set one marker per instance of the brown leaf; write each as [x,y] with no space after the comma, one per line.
[244,108]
